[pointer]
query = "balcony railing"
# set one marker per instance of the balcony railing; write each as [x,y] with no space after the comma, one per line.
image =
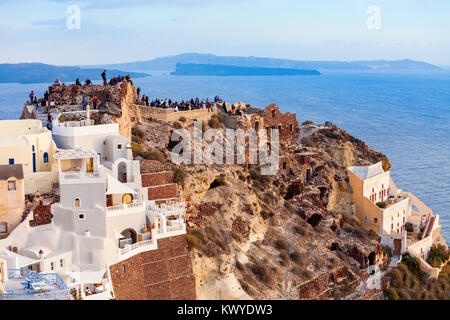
[122,207]
[78,175]
[130,248]
[167,208]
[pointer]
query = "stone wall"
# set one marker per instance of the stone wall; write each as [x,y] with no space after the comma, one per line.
[143,113]
[287,122]
[162,274]
[73,95]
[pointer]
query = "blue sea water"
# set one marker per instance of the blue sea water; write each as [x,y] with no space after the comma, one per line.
[404,115]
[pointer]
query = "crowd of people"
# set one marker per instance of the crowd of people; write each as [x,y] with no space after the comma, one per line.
[35,100]
[114,80]
[192,104]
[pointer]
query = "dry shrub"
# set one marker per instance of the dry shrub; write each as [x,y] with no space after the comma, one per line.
[299,229]
[192,241]
[179,176]
[297,258]
[214,123]
[154,155]
[200,234]
[261,272]
[177,125]
[284,258]
[281,244]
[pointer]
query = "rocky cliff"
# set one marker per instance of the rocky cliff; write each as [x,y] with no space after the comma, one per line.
[288,236]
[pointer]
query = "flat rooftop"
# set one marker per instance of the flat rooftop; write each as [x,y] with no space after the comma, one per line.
[367,172]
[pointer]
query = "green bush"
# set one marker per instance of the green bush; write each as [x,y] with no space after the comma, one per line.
[409,227]
[182,119]
[138,149]
[381,205]
[413,265]
[438,252]
[307,122]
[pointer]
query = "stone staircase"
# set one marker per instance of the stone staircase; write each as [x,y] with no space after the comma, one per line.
[42,116]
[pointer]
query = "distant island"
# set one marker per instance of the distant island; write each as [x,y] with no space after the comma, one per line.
[192,69]
[169,63]
[26,73]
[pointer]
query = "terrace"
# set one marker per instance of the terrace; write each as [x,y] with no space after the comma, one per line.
[392,201]
[29,285]
[168,217]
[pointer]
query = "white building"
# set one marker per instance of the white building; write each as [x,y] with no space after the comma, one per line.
[102,217]
[382,207]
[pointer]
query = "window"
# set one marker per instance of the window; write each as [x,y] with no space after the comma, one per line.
[61,263]
[11,185]
[11,162]
[45,157]
[119,147]
[123,269]
[284,165]
[291,127]
[375,220]
[279,128]
[3,227]
[52,266]
[77,203]
[273,113]
[81,216]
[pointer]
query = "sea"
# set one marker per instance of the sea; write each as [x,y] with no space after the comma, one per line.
[405,115]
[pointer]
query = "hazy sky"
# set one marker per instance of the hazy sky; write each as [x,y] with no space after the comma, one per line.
[120,31]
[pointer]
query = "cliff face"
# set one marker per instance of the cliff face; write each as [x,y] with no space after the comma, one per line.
[290,236]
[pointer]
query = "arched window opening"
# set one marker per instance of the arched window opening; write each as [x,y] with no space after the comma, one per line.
[122,172]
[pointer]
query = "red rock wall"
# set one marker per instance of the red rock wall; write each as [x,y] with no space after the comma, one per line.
[163,274]
[157,179]
[162,192]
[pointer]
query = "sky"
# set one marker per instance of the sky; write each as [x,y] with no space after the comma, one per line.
[116,31]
